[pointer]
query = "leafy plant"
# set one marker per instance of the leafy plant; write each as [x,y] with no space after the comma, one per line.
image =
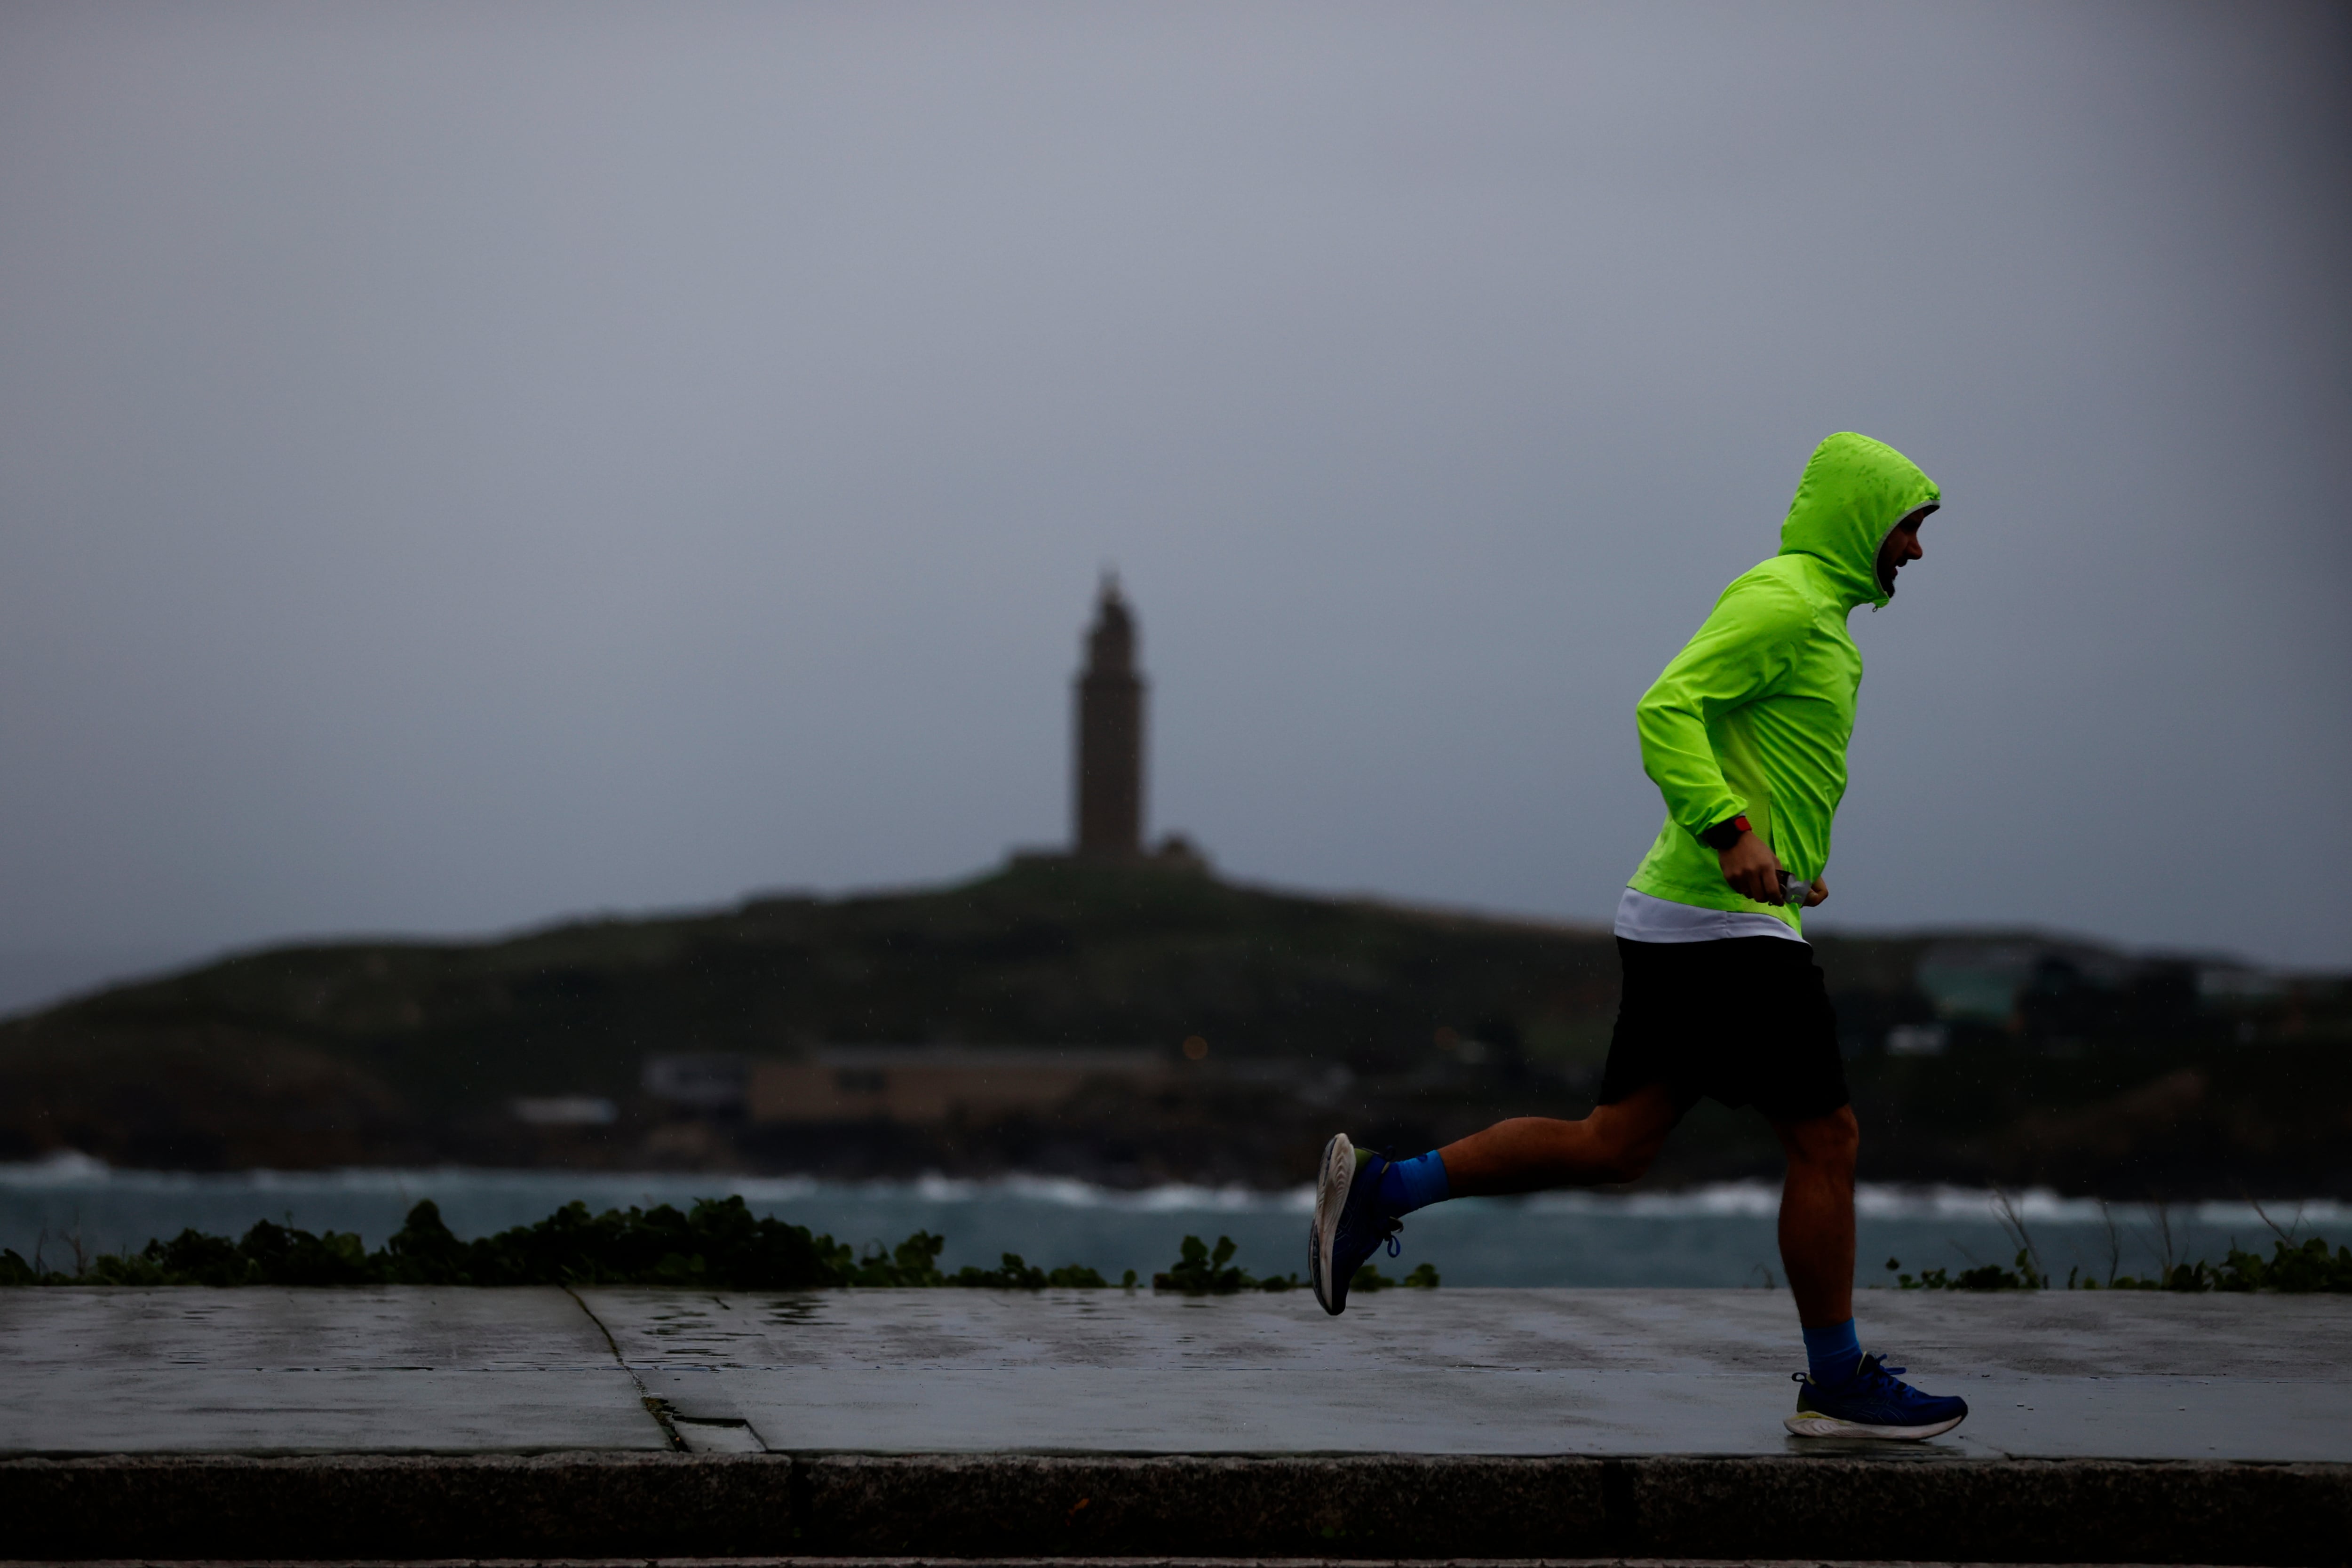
[1016,1275]
[1368,1278]
[1200,1271]
[1988,1277]
[2290,1268]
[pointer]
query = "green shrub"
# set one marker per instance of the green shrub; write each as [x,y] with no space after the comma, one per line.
[1370,1278]
[2289,1269]
[1200,1271]
[717,1245]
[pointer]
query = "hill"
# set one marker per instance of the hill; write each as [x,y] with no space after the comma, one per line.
[1400,1022]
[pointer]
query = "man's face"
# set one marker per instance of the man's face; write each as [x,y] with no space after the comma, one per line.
[1901,547]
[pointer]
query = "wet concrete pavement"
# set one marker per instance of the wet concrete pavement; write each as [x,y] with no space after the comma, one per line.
[1486,1372]
[2047,1375]
[531,1423]
[278,1371]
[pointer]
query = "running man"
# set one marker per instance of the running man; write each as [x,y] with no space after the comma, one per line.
[1745,735]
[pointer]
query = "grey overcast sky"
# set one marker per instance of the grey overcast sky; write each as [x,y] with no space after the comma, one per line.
[465,465]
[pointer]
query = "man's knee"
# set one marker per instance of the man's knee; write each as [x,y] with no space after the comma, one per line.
[1629,1164]
[1626,1134]
[1625,1152]
[1831,1140]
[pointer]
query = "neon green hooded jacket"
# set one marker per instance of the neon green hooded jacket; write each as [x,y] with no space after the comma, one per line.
[1752,717]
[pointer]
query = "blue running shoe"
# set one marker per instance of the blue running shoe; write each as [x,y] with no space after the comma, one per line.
[1872,1403]
[1349,1225]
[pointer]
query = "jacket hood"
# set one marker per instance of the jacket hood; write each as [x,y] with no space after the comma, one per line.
[1854,493]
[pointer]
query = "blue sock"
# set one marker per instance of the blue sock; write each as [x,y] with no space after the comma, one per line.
[1409,1184]
[1834,1352]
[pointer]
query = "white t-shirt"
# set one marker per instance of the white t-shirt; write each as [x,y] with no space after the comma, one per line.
[1641,918]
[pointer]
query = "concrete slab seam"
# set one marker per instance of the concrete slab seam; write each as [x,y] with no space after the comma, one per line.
[656,1408]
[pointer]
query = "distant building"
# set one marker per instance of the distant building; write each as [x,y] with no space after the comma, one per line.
[928,1085]
[2064,996]
[1985,980]
[1108,789]
[565,1110]
[699,1081]
[1918,1039]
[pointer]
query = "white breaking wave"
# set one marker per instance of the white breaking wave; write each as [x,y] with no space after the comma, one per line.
[63,1168]
[1887,1200]
[69,1170]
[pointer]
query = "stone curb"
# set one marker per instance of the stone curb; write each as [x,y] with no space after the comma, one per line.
[606,1505]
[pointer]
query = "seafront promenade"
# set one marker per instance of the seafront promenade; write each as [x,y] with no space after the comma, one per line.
[425,1422]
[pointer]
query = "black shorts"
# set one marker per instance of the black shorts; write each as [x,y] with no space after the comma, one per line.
[1744,1020]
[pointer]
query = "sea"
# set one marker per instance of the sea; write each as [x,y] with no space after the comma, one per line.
[1719,1237]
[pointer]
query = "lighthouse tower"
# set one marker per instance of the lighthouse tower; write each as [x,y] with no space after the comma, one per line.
[1108,788]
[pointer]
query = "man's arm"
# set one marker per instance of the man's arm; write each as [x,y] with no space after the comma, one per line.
[1747,646]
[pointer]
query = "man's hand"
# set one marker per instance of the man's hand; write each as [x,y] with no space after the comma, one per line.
[1820,891]
[1751,868]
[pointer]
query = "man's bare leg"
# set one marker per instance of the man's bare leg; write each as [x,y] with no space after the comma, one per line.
[1846,1394]
[1817,1214]
[1358,1205]
[1531,1154]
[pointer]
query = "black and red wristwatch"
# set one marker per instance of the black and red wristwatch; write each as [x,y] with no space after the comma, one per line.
[1724,835]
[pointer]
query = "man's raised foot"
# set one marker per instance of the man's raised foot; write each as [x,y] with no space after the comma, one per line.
[1350,1223]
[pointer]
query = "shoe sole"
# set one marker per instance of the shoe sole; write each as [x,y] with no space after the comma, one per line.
[1814,1426]
[1332,1186]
